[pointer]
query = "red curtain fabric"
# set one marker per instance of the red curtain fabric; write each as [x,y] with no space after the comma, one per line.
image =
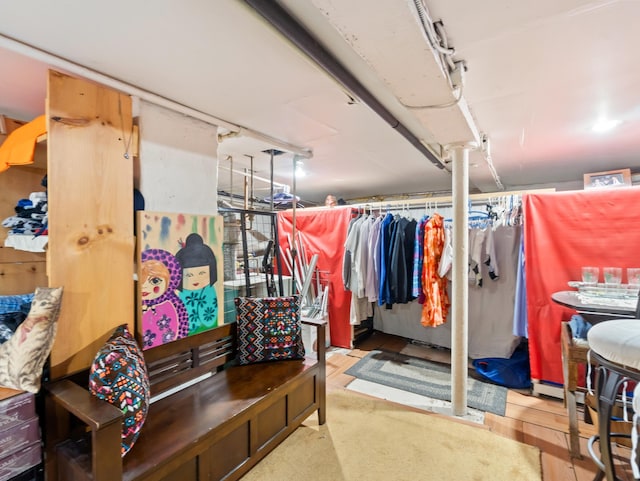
[563,232]
[324,232]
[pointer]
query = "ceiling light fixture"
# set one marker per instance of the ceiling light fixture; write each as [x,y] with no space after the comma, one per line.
[605,125]
[300,172]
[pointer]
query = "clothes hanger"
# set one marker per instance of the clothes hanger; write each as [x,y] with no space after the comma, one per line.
[479,213]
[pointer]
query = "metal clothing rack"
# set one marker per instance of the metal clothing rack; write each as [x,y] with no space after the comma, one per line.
[459,334]
[459,356]
[444,200]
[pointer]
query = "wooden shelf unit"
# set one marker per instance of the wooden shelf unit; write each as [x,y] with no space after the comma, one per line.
[90,205]
[20,271]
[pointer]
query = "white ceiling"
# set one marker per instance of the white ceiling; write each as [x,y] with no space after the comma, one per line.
[539,75]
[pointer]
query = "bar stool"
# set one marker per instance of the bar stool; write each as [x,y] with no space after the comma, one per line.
[615,349]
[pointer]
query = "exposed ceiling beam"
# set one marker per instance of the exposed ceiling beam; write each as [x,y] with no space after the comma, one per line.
[302,39]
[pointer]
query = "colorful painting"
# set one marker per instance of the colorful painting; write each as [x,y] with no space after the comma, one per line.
[180,276]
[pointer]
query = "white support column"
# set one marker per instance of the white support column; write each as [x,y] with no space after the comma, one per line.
[460,289]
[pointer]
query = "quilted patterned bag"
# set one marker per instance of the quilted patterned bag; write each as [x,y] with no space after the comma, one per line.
[268,329]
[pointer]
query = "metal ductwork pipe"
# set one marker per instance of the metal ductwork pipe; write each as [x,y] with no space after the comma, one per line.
[280,19]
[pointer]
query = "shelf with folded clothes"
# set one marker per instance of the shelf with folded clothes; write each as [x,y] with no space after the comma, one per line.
[28,225]
[23,260]
[24,149]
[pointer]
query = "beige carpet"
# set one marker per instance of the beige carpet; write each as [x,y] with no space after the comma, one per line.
[368,439]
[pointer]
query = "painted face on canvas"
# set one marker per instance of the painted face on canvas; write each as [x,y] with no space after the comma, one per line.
[194,278]
[156,276]
[153,288]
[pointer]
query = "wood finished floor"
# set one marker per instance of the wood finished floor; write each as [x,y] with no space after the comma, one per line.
[535,420]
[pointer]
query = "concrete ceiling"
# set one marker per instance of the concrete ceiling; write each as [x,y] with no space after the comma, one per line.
[539,75]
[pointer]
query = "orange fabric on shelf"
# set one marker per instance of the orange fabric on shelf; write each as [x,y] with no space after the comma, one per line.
[19,147]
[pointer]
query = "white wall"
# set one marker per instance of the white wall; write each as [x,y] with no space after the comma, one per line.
[178,162]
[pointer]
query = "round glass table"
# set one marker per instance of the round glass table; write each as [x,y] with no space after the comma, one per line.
[590,311]
[575,353]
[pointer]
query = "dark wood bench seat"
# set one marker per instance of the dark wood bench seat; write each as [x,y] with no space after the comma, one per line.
[217,428]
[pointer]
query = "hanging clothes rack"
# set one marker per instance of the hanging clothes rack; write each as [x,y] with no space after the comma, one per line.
[459,334]
[442,201]
[433,203]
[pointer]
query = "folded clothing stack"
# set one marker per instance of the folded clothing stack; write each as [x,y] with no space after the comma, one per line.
[31,216]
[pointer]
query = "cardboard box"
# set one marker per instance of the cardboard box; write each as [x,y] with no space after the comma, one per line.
[18,463]
[17,437]
[17,409]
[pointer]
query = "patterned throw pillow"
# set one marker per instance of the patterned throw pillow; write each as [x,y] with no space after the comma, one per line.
[23,356]
[268,329]
[119,376]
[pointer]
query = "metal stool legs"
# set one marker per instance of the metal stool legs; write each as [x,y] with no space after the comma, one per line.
[609,379]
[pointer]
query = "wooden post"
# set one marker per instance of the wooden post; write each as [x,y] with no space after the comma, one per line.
[91,238]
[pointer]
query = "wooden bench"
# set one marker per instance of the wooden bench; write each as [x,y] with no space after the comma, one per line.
[216,428]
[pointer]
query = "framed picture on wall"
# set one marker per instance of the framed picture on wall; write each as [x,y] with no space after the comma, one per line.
[607,179]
